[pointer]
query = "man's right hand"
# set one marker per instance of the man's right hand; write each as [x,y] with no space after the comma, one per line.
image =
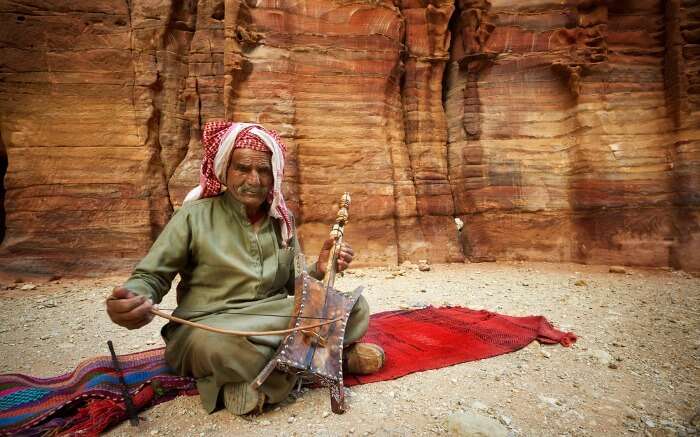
[128,309]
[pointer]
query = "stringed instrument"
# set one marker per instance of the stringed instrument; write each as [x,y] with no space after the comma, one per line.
[315,353]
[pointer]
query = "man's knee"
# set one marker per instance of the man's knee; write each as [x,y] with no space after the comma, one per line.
[361,309]
[200,352]
[358,321]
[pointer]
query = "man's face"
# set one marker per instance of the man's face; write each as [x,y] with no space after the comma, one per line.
[249,177]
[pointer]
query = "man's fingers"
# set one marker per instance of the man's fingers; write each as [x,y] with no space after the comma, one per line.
[120,293]
[345,256]
[124,305]
[140,323]
[346,252]
[137,318]
[137,314]
[347,249]
[128,309]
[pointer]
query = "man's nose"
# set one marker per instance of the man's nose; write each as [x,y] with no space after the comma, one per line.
[253,178]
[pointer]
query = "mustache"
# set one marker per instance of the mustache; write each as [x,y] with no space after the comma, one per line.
[250,189]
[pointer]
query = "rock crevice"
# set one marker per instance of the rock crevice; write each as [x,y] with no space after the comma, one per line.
[3,170]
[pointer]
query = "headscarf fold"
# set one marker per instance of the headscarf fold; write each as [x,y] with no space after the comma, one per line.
[220,139]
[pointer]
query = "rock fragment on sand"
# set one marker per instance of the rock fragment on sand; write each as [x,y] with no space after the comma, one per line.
[408,265]
[474,425]
[630,413]
[479,406]
[423,265]
[695,420]
[617,269]
[601,356]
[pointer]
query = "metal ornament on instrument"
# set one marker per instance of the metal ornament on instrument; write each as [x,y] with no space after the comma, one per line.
[316,353]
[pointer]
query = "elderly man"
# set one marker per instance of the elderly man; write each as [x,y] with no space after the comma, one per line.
[233,243]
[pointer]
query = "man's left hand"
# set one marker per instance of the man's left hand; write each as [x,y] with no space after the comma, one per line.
[345,256]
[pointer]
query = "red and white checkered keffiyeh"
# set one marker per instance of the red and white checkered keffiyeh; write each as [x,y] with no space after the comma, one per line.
[220,139]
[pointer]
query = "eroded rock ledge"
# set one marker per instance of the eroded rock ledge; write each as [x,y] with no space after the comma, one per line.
[555,131]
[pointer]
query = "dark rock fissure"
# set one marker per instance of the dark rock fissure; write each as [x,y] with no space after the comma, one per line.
[3,170]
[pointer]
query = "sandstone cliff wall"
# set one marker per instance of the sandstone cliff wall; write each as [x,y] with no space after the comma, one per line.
[556,131]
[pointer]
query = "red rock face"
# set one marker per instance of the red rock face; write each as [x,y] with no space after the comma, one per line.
[555,132]
[571,127]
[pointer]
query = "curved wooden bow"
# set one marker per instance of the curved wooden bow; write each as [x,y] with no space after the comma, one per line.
[240,333]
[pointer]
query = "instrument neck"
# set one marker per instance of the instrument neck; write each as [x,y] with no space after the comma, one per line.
[331,267]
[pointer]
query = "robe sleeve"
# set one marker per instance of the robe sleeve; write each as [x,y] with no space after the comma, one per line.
[297,266]
[168,256]
[314,273]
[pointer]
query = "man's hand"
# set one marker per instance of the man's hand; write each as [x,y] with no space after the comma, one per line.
[345,256]
[128,309]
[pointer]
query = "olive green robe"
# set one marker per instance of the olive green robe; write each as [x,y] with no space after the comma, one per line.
[226,266]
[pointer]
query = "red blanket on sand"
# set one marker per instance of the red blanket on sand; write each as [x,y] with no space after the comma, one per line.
[430,338]
[89,400]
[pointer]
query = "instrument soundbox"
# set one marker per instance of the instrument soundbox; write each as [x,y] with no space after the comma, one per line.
[316,354]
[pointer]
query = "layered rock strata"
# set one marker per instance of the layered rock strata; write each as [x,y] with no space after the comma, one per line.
[555,131]
[563,135]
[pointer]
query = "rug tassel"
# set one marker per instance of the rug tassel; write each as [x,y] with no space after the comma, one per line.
[100,414]
[96,416]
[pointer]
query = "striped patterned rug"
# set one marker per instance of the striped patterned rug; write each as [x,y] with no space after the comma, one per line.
[87,399]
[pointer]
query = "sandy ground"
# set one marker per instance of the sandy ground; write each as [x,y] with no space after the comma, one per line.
[634,370]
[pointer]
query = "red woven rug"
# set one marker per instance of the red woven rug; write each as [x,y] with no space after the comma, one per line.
[89,399]
[430,338]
